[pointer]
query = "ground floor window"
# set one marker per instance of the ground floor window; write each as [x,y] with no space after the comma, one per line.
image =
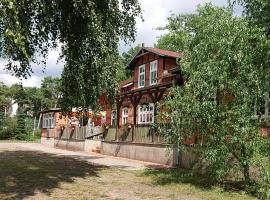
[261,108]
[146,113]
[124,115]
[113,118]
[48,120]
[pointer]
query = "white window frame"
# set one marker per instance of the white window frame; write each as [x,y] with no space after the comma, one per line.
[153,71]
[140,80]
[146,113]
[48,120]
[124,115]
[112,118]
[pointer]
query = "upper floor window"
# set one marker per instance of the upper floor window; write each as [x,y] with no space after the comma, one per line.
[113,118]
[141,76]
[146,113]
[48,120]
[153,72]
[125,115]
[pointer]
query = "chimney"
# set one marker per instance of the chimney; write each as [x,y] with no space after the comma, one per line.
[142,44]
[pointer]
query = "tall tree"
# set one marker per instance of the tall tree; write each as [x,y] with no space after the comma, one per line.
[226,70]
[51,91]
[88,31]
[175,39]
[258,11]
[126,57]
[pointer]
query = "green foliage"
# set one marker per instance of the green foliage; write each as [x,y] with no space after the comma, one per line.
[258,11]
[226,68]
[20,132]
[33,136]
[7,131]
[88,31]
[126,58]
[51,92]
[178,34]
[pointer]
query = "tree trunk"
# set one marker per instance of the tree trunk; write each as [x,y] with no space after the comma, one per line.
[245,164]
[246,173]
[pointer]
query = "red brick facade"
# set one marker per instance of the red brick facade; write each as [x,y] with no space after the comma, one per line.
[166,62]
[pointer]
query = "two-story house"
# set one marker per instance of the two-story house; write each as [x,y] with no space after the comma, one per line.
[154,71]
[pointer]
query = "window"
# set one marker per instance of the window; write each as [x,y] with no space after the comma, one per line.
[113,118]
[48,120]
[141,76]
[146,113]
[261,108]
[153,72]
[124,115]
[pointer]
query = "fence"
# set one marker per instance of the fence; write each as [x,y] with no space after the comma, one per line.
[75,133]
[141,134]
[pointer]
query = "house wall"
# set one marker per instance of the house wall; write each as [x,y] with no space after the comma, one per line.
[126,103]
[163,64]
[59,121]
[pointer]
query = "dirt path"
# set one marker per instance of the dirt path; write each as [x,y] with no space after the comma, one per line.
[93,158]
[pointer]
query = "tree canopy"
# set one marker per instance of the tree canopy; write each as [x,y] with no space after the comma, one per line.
[258,12]
[88,32]
[226,70]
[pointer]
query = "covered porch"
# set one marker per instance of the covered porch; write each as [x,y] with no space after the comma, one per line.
[137,126]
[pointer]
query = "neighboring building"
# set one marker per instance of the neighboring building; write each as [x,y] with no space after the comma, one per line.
[74,126]
[51,122]
[154,71]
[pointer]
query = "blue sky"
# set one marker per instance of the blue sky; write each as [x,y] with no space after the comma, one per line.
[155,14]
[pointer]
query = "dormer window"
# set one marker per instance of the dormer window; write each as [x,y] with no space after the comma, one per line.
[153,72]
[141,76]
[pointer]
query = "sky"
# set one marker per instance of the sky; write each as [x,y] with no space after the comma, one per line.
[155,14]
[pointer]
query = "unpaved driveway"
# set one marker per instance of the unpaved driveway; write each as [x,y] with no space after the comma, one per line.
[93,158]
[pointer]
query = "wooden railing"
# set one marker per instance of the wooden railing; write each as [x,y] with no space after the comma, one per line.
[71,133]
[137,134]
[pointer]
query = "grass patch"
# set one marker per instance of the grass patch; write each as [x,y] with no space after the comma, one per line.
[37,175]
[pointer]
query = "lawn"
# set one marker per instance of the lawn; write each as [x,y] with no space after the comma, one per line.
[37,175]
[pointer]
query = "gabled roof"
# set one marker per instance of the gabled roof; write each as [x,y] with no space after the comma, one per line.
[160,52]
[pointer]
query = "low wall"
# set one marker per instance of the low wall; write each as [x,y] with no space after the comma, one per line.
[155,153]
[187,158]
[74,145]
[47,141]
[91,145]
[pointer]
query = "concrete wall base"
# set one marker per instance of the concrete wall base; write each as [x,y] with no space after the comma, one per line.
[70,145]
[145,152]
[47,141]
[91,145]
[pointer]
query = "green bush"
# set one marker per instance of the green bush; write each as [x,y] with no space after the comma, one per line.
[8,129]
[33,136]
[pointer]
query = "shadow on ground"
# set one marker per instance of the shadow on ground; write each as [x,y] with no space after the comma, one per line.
[22,173]
[176,176]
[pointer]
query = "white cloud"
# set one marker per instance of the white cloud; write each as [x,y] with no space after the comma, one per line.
[33,81]
[155,14]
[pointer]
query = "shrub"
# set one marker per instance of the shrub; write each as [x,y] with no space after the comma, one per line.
[8,129]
